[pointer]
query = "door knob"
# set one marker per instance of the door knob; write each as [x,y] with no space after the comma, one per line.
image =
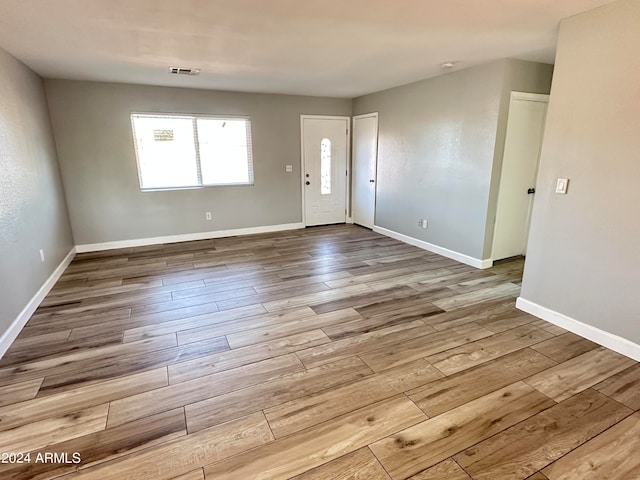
[307,183]
[371,181]
[531,191]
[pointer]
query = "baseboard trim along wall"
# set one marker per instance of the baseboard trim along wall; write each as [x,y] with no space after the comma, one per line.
[601,337]
[188,237]
[23,317]
[445,252]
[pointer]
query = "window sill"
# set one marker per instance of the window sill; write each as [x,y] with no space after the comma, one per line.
[196,187]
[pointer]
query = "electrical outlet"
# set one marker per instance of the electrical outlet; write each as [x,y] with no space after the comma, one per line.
[42,255]
[419,222]
[288,168]
[208,216]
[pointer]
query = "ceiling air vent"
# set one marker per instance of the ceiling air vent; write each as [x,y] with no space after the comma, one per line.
[184,71]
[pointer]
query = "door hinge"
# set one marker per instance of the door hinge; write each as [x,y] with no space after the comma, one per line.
[346,172]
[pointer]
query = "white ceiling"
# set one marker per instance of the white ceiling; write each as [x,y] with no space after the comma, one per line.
[341,48]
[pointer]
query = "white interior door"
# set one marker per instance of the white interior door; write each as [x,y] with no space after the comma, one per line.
[324,169]
[525,128]
[365,157]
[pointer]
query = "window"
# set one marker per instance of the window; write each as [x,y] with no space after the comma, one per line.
[325,167]
[180,151]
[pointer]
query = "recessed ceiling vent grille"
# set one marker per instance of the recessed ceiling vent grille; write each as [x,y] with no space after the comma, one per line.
[184,71]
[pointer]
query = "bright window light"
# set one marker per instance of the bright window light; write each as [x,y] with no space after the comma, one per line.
[180,151]
[325,167]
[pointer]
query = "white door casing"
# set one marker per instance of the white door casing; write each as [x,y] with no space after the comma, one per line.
[365,157]
[525,129]
[325,153]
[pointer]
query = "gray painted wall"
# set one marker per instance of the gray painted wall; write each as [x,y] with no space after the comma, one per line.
[583,256]
[95,146]
[33,213]
[438,139]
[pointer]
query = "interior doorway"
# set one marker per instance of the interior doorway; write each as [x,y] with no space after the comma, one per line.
[365,157]
[525,129]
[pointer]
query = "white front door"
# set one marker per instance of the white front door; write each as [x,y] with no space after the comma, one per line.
[324,169]
[525,127]
[365,156]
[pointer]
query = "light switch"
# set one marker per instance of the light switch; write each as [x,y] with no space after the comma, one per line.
[561,186]
[289,168]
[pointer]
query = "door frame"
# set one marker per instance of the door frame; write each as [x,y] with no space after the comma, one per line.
[347,196]
[375,167]
[531,97]
[528,97]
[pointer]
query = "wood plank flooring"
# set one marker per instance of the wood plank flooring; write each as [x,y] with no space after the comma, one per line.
[326,353]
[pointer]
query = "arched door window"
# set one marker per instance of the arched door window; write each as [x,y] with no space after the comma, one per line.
[325,166]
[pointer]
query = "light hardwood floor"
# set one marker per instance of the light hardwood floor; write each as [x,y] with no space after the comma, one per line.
[325,353]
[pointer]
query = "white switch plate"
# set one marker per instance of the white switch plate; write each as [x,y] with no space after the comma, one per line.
[289,168]
[561,186]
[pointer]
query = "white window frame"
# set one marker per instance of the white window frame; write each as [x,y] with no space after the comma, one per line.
[194,117]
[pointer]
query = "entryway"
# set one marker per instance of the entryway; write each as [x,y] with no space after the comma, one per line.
[325,155]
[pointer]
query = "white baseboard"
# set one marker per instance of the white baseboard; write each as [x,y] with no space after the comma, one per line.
[188,237]
[601,337]
[445,252]
[23,317]
[350,220]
